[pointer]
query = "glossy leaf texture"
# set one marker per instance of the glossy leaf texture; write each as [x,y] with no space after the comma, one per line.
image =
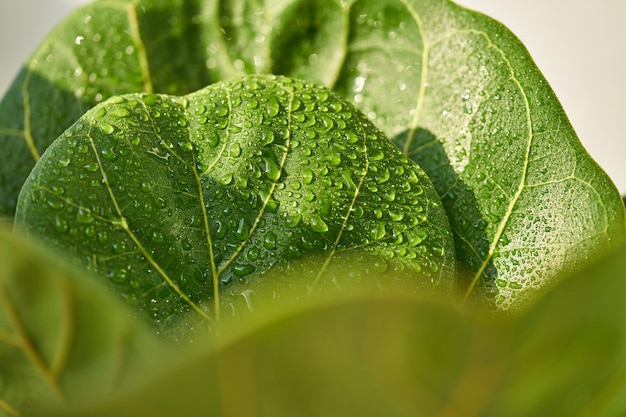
[457,91]
[174,200]
[378,352]
[64,340]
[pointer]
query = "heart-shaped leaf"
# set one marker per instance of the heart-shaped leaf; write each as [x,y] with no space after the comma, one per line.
[176,198]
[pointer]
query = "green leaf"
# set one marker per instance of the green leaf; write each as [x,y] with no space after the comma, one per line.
[106,48]
[524,199]
[457,91]
[378,352]
[64,340]
[175,199]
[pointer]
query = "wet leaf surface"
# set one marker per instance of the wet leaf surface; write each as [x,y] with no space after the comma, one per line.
[174,200]
[456,90]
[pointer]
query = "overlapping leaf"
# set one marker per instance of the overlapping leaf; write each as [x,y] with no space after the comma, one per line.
[175,199]
[385,353]
[456,90]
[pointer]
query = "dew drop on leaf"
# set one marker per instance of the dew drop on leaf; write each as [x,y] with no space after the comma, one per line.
[318,225]
[271,170]
[119,247]
[106,127]
[118,275]
[243,269]
[60,224]
[378,231]
[84,216]
[91,167]
[55,204]
[243,229]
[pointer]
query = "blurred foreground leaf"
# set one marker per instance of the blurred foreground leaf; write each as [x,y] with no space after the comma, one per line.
[378,353]
[63,339]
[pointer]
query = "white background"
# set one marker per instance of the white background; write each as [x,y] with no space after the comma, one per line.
[579,45]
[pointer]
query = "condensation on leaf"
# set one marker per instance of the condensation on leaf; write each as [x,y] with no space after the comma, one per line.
[202,204]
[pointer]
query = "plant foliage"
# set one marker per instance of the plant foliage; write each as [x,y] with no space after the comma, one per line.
[400,146]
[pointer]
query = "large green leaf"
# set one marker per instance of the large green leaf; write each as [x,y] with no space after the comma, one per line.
[382,353]
[174,199]
[457,91]
[63,339]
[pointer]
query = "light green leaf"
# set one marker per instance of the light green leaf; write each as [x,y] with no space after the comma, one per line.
[457,91]
[384,353]
[64,340]
[175,199]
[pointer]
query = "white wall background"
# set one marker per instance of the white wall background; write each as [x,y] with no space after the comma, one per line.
[580,46]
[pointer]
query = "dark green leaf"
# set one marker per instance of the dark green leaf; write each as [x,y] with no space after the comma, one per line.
[63,339]
[456,90]
[174,199]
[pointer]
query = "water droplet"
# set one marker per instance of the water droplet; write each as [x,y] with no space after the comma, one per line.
[91,167]
[118,275]
[307,176]
[103,236]
[253,253]
[269,242]
[382,176]
[271,170]
[243,229]
[242,270]
[119,247]
[416,238]
[90,231]
[60,224]
[106,127]
[378,231]
[227,179]
[389,195]
[84,216]
[157,236]
[55,204]
[267,136]
[108,152]
[221,229]
[146,187]
[318,225]
[347,178]
[377,155]
[235,150]
[396,216]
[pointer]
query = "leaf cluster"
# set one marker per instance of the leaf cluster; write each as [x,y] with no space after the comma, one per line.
[330,186]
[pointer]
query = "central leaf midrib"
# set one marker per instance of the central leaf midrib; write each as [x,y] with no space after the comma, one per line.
[522,182]
[345,219]
[123,224]
[271,191]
